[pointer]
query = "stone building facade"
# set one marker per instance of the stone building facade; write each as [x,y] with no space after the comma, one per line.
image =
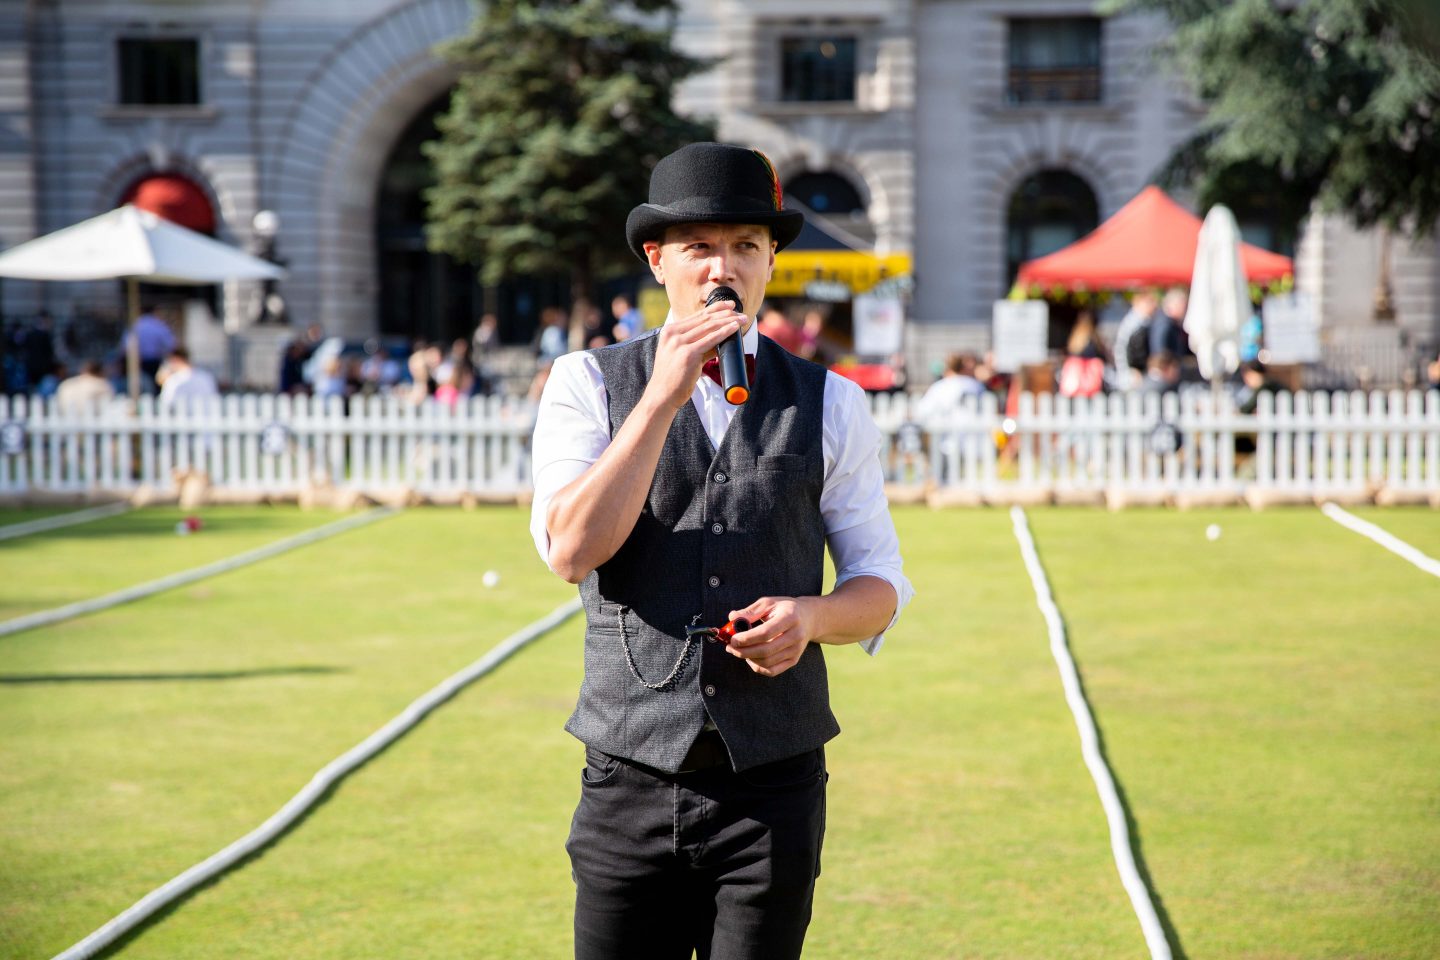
[300,104]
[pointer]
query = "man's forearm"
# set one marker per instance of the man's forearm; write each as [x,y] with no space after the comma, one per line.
[590,518]
[856,610]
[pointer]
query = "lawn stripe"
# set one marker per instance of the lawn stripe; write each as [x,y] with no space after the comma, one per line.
[63,520]
[139,591]
[1387,540]
[328,777]
[1090,745]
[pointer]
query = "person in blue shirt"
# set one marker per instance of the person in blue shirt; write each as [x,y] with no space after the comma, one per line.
[628,321]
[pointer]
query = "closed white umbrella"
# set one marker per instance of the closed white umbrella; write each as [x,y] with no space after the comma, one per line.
[1219,295]
[132,244]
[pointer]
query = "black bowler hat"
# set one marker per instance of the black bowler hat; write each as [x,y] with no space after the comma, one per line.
[713,183]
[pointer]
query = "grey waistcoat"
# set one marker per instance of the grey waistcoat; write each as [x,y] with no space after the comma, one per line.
[719,529]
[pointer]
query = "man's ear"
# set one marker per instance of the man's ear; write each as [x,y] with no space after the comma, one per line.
[652,256]
[770,270]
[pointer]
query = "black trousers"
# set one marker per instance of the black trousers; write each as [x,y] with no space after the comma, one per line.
[713,862]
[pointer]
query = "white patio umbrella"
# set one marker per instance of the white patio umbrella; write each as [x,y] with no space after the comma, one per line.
[132,244]
[1219,296]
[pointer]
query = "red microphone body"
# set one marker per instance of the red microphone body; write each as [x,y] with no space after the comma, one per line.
[734,378]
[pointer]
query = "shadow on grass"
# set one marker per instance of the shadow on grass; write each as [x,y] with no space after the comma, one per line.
[24,678]
[317,805]
[164,913]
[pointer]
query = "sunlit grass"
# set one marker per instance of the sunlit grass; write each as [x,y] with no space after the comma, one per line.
[1269,701]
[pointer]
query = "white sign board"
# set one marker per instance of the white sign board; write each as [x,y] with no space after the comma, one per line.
[1292,332]
[1020,333]
[879,325]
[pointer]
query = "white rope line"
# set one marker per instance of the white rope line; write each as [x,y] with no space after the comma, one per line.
[1090,745]
[331,774]
[43,618]
[1387,540]
[62,520]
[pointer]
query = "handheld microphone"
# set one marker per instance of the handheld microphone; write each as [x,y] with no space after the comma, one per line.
[734,379]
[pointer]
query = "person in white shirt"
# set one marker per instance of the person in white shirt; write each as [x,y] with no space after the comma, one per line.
[85,392]
[702,806]
[184,382]
[955,384]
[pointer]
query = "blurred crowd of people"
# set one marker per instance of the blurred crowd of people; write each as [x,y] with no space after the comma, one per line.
[1148,352]
[322,366]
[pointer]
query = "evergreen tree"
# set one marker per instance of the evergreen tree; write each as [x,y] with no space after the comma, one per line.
[562,109]
[1329,100]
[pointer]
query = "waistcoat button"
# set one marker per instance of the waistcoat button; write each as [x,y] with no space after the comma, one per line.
[720,477]
[717,528]
[714,581]
[709,689]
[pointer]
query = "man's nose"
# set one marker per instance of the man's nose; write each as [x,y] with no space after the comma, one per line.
[720,265]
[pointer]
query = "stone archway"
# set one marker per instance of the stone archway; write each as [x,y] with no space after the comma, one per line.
[327,162]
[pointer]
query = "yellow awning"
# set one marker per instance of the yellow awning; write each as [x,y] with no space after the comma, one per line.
[858,271]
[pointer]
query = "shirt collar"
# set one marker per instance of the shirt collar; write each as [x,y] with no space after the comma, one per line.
[751,339]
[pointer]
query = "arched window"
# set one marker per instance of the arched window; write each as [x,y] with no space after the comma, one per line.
[1049,210]
[825,193]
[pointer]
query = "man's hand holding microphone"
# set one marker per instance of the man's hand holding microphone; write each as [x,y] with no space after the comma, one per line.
[685,345]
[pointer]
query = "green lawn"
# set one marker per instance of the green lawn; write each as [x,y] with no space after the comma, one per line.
[90,559]
[1416,526]
[1269,701]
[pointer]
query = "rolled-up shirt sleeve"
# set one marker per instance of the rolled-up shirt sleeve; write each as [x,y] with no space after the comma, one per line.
[858,528]
[572,430]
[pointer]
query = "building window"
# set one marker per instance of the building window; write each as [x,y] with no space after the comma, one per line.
[1049,210]
[159,72]
[825,193]
[1054,60]
[817,69]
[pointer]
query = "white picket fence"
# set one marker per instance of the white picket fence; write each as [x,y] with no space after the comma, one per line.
[272,445]
[1310,444]
[1146,445]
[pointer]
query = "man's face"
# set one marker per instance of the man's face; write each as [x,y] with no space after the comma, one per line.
[694,258]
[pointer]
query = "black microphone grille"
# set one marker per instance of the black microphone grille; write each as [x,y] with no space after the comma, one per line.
[724,293]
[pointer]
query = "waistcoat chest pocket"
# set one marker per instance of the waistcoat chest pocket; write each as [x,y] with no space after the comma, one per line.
[780,463]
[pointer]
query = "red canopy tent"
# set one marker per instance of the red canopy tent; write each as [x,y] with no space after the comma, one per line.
[1149,242]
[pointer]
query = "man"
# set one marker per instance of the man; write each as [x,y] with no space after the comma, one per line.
[702,803]
[37,352]
[628,321]
[774,324]
[1167,332]
[153,339]
[1162,374]
[1132,340]
[956,382]
[184,382]
[1256,380]
[86,392]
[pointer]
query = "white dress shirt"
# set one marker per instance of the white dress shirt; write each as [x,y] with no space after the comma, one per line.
[572,430]
[188,384]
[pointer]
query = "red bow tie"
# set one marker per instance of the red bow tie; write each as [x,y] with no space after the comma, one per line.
[711,369]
